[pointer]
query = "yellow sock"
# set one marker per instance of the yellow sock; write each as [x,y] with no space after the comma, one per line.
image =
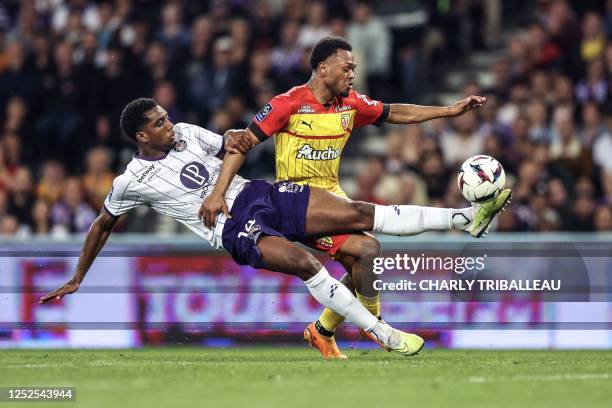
[330,320]
[370,303]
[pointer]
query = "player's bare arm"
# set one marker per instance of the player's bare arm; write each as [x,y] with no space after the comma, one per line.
[96,237]
[215,202]
[406,113]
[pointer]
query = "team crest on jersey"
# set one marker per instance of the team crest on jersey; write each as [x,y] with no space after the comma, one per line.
[180,145]
[263,113]
[326,242]
[306,109]
[345,120]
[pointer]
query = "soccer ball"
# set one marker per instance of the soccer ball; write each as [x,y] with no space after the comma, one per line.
[481,178]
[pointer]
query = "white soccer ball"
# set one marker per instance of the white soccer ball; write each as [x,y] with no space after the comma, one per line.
[481,178]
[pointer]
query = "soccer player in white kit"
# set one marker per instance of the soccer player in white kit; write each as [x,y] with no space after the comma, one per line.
[178,166]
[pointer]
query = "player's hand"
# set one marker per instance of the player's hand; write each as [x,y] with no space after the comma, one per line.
[70,287]
[467,104]
[211,207]
[237,141]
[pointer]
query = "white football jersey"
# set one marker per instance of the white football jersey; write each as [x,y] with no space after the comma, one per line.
[177,184]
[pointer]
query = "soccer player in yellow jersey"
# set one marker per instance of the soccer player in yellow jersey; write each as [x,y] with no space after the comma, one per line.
[311,124]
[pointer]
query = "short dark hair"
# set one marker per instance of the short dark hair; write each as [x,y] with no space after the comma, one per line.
[325,47]
[133,118]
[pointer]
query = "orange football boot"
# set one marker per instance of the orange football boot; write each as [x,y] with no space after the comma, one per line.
[326,345]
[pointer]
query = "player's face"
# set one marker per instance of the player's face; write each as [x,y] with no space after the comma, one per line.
[158,130]
[340,69]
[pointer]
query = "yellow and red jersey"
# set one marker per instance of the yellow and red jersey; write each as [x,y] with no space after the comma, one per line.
[309,137]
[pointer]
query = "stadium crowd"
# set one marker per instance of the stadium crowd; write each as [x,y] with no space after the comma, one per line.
[67,68]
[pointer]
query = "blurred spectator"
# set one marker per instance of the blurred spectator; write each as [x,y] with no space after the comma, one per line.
[72,214]
[172,34]
[22,196]
[462,141]
[315,27]
[57,128]
[222,75]
[435,172]
[165,95]
[603,218]
[539,130]
[9,225]
[368,177]
[41,218]
[51,184]
[16,79]
[596,135]
[240,33]
[566,148]
[595,86]
[98,178]
[371,40]
[285,58]
[593,37]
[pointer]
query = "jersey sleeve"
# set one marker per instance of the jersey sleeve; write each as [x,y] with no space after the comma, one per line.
[210,142]
[121,198]
[369,112]
[272,118]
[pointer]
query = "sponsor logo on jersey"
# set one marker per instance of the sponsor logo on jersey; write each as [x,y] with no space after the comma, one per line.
[263,113]
[309,124]
[306,109]
[250,231]
[343,108]
[289,187]
[180,145]
[146,173]
[194,175]
[345,119]
[307,152]
[326,242]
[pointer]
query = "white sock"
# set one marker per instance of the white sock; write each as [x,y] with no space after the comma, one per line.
[415,219]
[332,294]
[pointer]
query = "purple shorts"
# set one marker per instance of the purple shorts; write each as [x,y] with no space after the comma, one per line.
[262,208]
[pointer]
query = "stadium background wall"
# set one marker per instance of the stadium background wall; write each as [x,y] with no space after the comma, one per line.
[154,291]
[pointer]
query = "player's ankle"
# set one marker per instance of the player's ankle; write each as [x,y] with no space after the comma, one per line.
[322,330]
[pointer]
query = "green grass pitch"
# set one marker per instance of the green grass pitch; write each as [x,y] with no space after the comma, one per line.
[297,377]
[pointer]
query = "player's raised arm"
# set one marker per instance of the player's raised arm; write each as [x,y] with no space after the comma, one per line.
[405,114]
[94,241]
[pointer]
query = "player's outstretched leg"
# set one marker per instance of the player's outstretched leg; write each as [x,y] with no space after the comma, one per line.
[328,213]
[278,254]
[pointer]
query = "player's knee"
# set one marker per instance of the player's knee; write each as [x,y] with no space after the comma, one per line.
[306,265]
[361,215]
[370,248]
